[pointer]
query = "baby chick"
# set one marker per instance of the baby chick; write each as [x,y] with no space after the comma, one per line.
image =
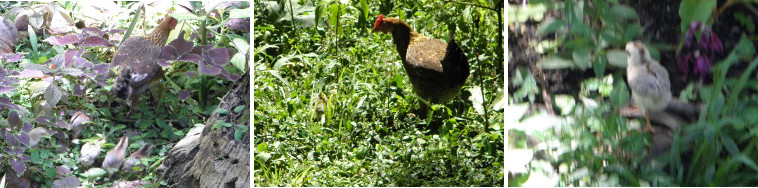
[135,158]
[77,123]
[113,160]
[648,81]
[89,152]
[36,135]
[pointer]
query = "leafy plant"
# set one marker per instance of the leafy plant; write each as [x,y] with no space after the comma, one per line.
[586,31]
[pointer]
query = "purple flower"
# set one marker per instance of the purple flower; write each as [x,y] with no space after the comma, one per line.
[702,51]
[702,66]
[716,43]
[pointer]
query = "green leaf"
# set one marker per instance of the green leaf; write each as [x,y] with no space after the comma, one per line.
[624,11]
[747,161]
[695,10]
[93,172]
[239,109]
[222,111]
[334,13]
[239,61]
[550,26]
[364,8]
[239,13]
[240,131]
[599,65]
[581,58]
[32,38]
[616,58]
[620,93]
[263,147]
[554,62]
[477,99]
[187,16]
[320,10]
[565,102]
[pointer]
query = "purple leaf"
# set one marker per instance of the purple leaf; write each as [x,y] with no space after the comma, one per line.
[11,139]
[62,170]
[101,68]
[93,41]
[6,103]
[183,94]
[29,73]
[23,138]
[209,69]
[79,90]
[200,49]
[27,127]
[83,63]
[59,61]
[4,89]
[182,46]
[116,31]
[229,76]
[12,57]
[64,40]
[53,94]
[168,53]
[17,165]
[93,31]
[218,56]
[14,120]
[44,120]
[241,24]
[71,54]
[191,58]
[69,181]
[62,124]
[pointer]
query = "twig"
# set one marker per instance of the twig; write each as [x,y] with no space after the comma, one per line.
[472,4]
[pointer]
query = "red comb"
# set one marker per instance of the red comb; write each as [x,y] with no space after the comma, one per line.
[379,20]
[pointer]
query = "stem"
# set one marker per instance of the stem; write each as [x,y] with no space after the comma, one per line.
[472,4]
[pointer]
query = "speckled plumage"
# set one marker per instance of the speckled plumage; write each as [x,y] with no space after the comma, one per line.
[436,69]
[137,59]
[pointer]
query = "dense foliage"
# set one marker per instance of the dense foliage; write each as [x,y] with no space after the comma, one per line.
[61,66]
[333,106]
[582,138]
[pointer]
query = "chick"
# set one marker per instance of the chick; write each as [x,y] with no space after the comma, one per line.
[36,135]
[113,159]
[648,81]
[77,123]
[135,158]
[89,152]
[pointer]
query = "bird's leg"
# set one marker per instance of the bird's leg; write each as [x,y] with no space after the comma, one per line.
[132,103]
[648,127]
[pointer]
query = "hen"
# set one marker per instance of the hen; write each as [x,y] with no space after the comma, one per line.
[138,60]
[437,70]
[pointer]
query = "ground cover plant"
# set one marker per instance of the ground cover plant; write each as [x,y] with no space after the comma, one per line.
[57,86]
[570,120]
[334,106]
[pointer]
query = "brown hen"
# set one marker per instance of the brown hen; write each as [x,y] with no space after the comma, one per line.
[138,60]
[436,69]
